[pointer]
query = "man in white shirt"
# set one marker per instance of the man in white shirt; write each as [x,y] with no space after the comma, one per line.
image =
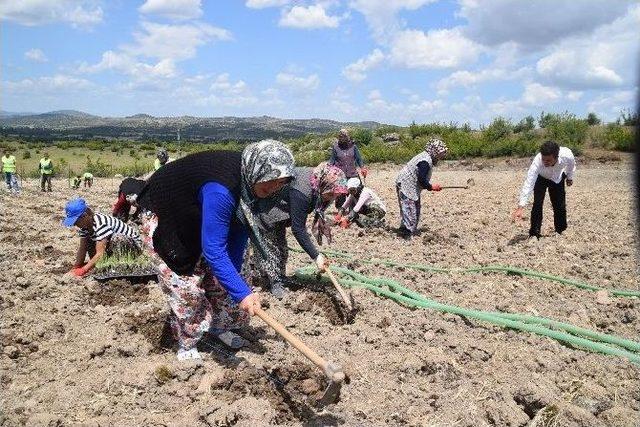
[551,167]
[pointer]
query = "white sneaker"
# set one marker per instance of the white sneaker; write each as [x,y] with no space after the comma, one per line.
[190,354]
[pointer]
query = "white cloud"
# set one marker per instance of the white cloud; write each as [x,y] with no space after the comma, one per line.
[609,105]
[127,64]
[48,85]
[177,42]
[535,24]
[356,72]
[173,9]
[309,18]
[261,4]
[77,13]
[36,55]
[298,84]
[445,48]
[538,95]
[381,14]
[574,95]
[470,78]
[222,92]
[168,44]
[605,59]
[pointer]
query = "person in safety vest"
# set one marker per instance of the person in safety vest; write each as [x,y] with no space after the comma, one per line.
[9,170]
[162,158]
[46,172]
[75,182]
[88,179]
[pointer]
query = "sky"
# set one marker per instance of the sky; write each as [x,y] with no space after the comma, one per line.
[392,61]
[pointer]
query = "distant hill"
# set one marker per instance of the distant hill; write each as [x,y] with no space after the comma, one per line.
[71,124]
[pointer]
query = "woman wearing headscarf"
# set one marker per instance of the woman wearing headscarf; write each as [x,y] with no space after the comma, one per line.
[202,208]
[346,156]
[310,191]
[414,177]
[363,206]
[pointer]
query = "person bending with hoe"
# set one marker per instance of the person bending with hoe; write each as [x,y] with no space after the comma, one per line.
[363,206]
[550,169]
[414,177]
[202,207]
[311,191]
[99,235]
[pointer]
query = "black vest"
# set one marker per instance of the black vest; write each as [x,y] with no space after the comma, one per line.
[172,194]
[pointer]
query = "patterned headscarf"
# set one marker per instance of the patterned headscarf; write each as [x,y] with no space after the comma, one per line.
[162,155]
[262,161]
[436,146]
[325,179]
[344,140]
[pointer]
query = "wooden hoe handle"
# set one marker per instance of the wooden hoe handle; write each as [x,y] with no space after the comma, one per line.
[343,294]
[291,339]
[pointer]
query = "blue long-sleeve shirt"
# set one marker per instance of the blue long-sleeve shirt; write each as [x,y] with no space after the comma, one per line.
[423,175]
[224,238]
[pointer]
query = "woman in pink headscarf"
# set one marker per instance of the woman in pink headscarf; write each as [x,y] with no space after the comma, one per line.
[312,190]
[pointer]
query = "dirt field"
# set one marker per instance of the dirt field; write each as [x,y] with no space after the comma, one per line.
[75,352]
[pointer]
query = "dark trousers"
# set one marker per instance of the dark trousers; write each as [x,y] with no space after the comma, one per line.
[558,202]
[45,179]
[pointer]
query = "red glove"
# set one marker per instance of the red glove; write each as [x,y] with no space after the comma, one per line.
[344,223]
[337,218]
[79,271]
[436,187]
[364,172]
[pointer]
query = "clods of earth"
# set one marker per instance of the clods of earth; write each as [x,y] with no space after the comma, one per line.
[79,352]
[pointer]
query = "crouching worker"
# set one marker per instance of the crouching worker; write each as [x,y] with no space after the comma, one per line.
[311,191]
[88,179]
[363,206]
[550,169]
[414,177]
[128,193]
[75,182]
[202,216]
[99,235]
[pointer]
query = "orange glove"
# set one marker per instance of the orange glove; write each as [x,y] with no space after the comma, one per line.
[79,271]
[344,223]
[364,172]
[337,218]
[436,187]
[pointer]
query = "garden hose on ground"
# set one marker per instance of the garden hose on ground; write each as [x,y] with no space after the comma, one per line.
[489,268]
[569,334]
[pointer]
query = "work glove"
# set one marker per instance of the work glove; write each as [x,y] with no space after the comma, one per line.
[436,187]
[337,217]
[79,271]
[364,172]
[344,223]
[321,262]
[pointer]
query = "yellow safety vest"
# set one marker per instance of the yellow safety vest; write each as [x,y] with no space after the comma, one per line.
[46,166]
[157,165]
[9,164]
[87,175]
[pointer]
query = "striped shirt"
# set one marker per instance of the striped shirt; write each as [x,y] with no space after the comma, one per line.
[105,226]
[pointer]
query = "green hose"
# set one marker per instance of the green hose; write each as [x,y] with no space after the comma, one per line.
[567,333]
[489,268]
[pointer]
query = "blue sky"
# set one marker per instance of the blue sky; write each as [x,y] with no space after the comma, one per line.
[392,61]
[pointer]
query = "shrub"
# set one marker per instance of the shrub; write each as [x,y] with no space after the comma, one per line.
[499,128]
[361,136]
[593,119]
[525,125]
[567,129]
[26,155]
[619,137]
[627,118]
